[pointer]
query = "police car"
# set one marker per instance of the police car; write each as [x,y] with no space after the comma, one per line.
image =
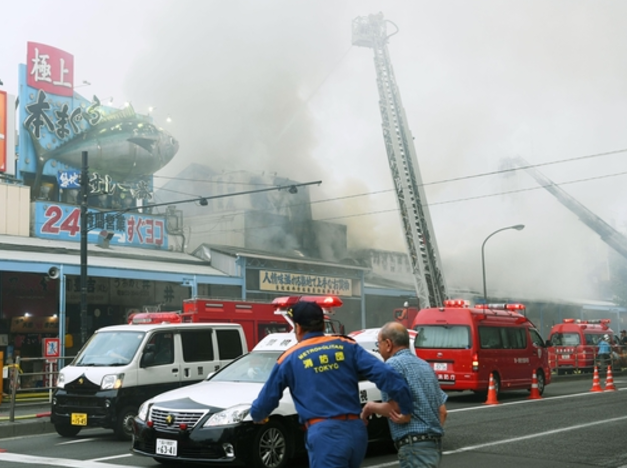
[210,421]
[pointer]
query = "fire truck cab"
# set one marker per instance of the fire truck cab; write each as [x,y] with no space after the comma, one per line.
[573,344]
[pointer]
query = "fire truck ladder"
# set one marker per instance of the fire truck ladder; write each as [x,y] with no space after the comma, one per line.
[608,234]
[370,32]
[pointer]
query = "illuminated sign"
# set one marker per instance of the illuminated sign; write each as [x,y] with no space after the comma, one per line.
[35,325]
[50,69]
[3,131]
[304,284]
[63,222]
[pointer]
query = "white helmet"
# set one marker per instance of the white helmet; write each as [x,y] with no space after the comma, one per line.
[606,337]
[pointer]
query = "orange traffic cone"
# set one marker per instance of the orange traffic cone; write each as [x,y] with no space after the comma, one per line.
[535,393]
[609,380]
[491,393]
[596,386]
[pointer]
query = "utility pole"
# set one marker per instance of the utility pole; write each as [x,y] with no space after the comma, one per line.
[84,194]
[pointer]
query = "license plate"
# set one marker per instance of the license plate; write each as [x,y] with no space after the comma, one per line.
[79,419]
[565,356]
[166,447]
[440,366]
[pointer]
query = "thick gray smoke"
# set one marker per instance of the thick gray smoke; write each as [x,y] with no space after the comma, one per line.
[275,87]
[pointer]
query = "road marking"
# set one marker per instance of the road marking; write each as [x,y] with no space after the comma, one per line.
[65,462]
[520,402]
[77,441]
[533,436]
[113,457]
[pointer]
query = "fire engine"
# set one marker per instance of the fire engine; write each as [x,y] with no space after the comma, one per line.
[573,344]
[258,319]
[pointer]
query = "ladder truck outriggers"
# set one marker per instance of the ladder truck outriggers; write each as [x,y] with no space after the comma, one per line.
[370,31]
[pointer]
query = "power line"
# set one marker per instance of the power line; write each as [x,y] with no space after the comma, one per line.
[458,200]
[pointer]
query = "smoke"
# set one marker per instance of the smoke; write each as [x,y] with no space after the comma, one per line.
[275,86]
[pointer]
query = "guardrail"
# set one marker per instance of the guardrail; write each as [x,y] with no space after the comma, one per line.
[48,378]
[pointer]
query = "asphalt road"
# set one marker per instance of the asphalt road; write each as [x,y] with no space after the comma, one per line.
[569,427]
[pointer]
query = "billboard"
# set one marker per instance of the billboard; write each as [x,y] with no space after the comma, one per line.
[124,149]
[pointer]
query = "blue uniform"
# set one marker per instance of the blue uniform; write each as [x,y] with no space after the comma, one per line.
[322,373]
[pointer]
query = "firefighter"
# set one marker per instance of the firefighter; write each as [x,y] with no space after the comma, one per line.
[604,351]
[322,373]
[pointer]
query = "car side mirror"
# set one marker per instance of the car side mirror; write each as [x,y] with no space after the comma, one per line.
[548,343]
[148,358]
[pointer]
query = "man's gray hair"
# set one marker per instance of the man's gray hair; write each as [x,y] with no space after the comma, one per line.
[396,333]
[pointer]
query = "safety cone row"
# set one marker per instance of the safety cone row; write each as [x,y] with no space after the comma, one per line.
[609,380]
[491,393]
[596,385]
[535,392]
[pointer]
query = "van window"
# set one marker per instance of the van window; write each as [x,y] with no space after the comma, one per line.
[197,345]
[162,344]
[502,338]
[442,337]
[536,338]
[229,344]
[565,339]
[592,339]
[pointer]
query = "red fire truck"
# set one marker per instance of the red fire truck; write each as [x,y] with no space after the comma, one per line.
[257,318]
[573,344]
[465,345]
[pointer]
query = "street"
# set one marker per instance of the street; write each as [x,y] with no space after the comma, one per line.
[569,427]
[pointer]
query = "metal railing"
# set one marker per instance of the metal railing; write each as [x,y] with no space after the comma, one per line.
[43,392]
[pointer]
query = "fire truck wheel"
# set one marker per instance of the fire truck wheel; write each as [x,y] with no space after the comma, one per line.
[271,447]
[124,425]
[540,377]
[67,430]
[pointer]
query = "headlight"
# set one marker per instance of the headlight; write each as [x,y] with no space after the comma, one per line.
[233,415]
[112,381]
[61,380]
[142,414]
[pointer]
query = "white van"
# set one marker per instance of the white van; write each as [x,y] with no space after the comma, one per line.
[122,366]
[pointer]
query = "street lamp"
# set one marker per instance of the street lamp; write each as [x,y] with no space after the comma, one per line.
[518,227]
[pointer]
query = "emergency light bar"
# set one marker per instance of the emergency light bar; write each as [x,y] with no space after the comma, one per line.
[326,302]
[516,306]
[595,321]
[144,318]
[461,303]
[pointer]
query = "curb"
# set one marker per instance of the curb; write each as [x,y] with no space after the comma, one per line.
[26,427]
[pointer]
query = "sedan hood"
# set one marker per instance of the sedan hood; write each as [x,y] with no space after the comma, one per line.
[221,395]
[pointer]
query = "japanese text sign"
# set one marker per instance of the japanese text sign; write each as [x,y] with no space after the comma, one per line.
[50,69]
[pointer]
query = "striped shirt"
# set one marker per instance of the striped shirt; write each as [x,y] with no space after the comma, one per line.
[426,392]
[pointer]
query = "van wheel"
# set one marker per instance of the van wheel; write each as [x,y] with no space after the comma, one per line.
[540,377]
[124,425]
[271,447]
[67,430]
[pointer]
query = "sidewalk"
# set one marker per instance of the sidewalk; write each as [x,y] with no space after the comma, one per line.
[30,417]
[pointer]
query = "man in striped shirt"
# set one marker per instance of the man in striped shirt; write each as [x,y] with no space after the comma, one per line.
[417,436]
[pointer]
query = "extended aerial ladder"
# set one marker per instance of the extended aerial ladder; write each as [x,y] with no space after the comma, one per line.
[608,234]
[370,31]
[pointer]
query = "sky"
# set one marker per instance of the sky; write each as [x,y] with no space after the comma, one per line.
[275,86]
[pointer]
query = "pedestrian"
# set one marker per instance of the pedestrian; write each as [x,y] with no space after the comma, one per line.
[623,337]
[417,437]
[322,373]
[604,351]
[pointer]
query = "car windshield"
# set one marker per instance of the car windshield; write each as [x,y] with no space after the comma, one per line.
[253,367]
[111,348]
[565,339]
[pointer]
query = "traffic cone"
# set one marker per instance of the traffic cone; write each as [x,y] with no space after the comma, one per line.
[491,393]
[535,392]
[609,380]
[596,386]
